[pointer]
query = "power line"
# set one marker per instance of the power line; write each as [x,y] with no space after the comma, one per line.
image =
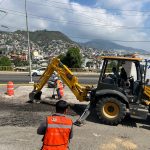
[110,26]
[92,7]
[68,10]
[77,23]
[53,20]
[105,8]
[83,11]
[71,10]
[85,38]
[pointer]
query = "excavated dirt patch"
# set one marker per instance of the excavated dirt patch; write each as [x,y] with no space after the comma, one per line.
[27,114]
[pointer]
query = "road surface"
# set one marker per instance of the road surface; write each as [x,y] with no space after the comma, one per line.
[19,121]
[24,78]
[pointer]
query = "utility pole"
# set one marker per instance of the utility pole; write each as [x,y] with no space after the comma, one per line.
[28,38]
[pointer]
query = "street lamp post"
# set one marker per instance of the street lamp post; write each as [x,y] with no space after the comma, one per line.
[29,50]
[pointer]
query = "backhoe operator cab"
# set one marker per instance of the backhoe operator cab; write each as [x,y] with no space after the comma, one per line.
[121,87]
[121,74]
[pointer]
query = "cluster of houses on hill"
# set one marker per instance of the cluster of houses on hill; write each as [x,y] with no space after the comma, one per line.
[14,46]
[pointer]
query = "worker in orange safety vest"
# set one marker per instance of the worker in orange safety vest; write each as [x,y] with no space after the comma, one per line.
[59,88]
[57,129]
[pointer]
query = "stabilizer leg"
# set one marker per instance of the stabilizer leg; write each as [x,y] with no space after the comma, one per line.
[85,114]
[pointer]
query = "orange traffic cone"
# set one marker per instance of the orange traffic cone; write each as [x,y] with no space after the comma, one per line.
[10,88]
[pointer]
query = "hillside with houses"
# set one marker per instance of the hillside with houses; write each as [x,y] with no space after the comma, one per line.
[47,44]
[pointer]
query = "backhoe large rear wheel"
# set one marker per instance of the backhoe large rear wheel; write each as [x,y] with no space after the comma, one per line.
[110,110]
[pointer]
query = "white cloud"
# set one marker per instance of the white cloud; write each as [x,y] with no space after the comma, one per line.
[83,21]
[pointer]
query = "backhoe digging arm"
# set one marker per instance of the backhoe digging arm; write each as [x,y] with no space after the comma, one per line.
[81,92]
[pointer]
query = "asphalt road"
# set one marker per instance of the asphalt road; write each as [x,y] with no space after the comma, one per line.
[24,78]
[20,120]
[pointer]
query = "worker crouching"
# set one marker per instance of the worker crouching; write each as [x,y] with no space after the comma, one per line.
[57,129]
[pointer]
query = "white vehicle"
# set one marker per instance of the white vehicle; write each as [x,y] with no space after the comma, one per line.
[38,72]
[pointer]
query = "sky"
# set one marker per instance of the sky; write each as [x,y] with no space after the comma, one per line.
[126,22]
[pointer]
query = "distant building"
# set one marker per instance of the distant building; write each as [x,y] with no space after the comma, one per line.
[36,55]
[22,57]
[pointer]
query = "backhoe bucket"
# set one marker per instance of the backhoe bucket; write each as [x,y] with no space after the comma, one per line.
[34,95]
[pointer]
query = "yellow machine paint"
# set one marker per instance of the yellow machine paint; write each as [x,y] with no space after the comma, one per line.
[147,91]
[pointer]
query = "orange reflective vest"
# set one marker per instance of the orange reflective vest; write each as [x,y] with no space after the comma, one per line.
[60,87]
[57,133]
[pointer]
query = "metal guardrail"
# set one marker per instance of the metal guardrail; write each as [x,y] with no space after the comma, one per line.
[6,68]
[9,68]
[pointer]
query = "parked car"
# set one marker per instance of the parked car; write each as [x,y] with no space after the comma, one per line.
[38,72]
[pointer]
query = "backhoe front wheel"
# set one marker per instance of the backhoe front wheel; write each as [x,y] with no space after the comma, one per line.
[110,110]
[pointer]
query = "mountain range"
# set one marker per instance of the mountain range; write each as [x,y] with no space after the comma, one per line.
[108,45]
[43,37]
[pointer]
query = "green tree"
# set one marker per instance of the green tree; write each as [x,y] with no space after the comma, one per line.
[112,63]
[5,61]
[72,59]
[18,62]
[61,57]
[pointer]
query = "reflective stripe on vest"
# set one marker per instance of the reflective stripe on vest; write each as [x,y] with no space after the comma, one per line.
[10,88]
[59,126]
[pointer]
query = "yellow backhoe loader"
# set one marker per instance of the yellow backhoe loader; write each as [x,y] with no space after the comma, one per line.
[116,93]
